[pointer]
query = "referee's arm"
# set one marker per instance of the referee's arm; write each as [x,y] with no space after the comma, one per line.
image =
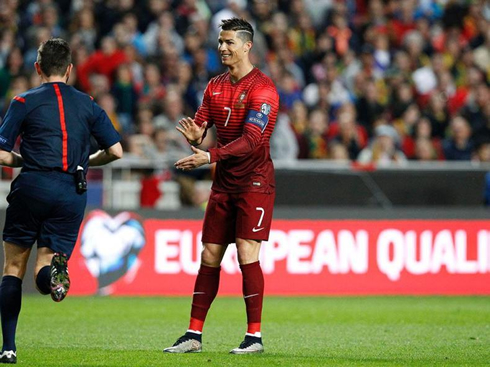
[10,159]
[106,156]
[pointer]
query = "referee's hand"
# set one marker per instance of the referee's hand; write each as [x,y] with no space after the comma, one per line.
[199,158]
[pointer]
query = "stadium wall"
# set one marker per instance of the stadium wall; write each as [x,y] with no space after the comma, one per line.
[311,251]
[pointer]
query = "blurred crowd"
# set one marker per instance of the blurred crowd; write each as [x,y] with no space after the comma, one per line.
[371,81]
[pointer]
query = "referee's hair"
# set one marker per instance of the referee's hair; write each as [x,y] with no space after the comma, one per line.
[54,56]
[243,28]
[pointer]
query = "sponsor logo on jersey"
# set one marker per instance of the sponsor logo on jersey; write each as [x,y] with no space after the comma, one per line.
[2,139]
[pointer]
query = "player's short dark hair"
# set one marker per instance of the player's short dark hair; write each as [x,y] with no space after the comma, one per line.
[54,56]
[243,28]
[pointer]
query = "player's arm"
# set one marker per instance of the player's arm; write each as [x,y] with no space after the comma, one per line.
[194,133]
[108,138]
[9,131]
[239,147]
[264,103]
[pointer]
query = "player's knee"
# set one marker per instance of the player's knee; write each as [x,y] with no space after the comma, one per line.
[247,251]
[247,256]
[210,258]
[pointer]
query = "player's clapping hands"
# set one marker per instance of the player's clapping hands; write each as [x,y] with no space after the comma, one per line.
[196,160]
[192,132]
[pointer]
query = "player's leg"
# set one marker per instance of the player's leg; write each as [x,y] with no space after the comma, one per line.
[19,234]
[15,264]
[217,233]
[254,217]
[253,294]
[58,236]
[205,291]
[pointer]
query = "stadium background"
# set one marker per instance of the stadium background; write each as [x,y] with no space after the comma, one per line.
[384,116]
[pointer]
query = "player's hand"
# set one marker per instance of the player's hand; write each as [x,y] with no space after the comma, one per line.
[199,158]
[191,131]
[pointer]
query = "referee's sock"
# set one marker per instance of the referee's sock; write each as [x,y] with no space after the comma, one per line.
[10,302]
[253,294]
[205,290]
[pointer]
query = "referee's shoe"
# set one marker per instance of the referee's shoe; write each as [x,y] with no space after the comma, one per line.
[60,280]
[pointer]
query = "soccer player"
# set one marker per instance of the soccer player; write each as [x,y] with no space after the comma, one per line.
[47,200]
[243,104]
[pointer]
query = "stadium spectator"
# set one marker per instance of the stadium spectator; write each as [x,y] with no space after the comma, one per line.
[153,89]
[422,130]
[242,197]
[104,61]
[482,151]
[368,106]
[459,145]
[47,201]
[437,114]
[84,28]
[400,53]
[383,148]
[347,132]
[284,145]
[126,96]
[315,134]
[425,150]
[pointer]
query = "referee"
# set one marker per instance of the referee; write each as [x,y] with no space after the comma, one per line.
[47,199]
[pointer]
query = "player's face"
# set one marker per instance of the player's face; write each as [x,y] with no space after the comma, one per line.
[231,48]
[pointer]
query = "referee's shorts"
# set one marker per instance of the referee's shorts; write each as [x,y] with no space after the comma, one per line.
[44,207]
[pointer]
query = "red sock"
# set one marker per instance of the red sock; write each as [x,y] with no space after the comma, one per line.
[253,294]
[205,290]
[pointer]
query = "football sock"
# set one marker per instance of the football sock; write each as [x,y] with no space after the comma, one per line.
[10,301]
[253,294]
[205,290]
[43,280]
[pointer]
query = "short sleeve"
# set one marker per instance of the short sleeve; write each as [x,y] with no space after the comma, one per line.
[10,128]
[102,129]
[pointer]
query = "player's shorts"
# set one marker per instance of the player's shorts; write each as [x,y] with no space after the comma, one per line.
[246,215]
[44,207]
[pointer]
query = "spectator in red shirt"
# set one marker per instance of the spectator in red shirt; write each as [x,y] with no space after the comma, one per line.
[104,61]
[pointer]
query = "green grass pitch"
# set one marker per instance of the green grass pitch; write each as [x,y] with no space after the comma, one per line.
[313,331]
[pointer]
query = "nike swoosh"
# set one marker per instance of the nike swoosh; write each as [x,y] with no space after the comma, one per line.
[251,295]
[216,93]
[257,229]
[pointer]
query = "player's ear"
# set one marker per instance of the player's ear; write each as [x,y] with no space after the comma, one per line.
[248,46]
